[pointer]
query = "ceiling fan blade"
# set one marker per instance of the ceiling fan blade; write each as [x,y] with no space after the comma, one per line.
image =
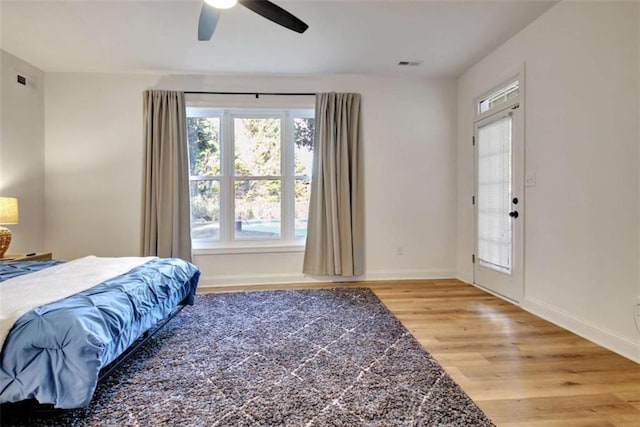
[209,17]
[276,14]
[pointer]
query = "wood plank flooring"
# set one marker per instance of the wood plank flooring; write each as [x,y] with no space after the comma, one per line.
[521,370]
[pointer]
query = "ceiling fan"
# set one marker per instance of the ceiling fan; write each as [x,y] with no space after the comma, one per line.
[210,14]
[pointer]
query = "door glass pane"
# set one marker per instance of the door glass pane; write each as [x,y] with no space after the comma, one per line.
[494,195]
[256,146]
[205,209]
[257,209]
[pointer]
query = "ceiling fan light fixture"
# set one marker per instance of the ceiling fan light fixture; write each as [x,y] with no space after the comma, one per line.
[210,15]
[221,4]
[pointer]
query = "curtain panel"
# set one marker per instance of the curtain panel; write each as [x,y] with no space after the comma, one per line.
[335,233]
[166,222]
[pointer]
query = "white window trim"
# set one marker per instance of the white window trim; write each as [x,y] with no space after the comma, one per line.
[253,248]
[227,245]
[514,73]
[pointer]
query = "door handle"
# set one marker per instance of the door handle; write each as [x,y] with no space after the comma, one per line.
[513,214]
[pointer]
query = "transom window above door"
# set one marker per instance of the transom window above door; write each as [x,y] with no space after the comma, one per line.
[500,96]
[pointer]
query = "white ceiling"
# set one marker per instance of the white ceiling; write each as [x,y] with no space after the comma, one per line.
[343,37]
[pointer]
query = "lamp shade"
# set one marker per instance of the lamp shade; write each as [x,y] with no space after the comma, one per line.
[8,210]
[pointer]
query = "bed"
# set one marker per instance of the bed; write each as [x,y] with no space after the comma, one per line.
[94,310]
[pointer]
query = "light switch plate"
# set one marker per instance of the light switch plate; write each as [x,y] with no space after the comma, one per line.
[530,179]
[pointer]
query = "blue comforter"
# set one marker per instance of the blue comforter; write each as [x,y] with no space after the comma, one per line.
[54,353]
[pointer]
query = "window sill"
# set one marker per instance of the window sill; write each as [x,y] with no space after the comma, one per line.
[249,248]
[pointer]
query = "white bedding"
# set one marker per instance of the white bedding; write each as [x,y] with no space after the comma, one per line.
[24,293]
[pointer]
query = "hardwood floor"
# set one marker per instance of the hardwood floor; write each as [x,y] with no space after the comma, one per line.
[520,369]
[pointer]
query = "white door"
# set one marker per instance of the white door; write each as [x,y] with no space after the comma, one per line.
[498,202]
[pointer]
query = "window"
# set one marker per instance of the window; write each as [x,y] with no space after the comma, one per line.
[250,175]
[498,97]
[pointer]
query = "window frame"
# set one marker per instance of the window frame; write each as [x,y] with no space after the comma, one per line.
[511,75]
[504,91]
[227,243]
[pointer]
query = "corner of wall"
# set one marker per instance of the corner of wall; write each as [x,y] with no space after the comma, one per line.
[22,148]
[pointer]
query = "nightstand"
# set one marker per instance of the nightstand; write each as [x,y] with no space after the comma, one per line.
[41,256]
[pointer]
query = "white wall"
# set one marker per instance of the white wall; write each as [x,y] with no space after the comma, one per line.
[22,151]
[582,140]
[95,153]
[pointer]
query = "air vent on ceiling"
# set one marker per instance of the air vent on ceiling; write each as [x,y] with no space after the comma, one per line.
[409,63]
[22,80]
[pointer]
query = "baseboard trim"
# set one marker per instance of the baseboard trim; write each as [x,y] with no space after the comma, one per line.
[577,325]
[253,279]
[583,328]
[278,279]
[409,275]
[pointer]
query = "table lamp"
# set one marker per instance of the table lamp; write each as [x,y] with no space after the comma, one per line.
[8,215]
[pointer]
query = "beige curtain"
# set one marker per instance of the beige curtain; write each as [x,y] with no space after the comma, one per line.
[166,223]
[335,236]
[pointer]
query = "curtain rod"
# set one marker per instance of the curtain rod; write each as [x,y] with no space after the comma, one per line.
[257,94]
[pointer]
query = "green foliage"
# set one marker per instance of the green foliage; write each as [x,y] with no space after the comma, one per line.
[205,201]
[204,159]
[203,140]
[303,133]
[302,188]
[257,153]
[257,146]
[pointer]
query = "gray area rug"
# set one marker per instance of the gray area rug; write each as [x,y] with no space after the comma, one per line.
[329,357]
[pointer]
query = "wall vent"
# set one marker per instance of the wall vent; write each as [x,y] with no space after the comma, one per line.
[22,80]
[409,63]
